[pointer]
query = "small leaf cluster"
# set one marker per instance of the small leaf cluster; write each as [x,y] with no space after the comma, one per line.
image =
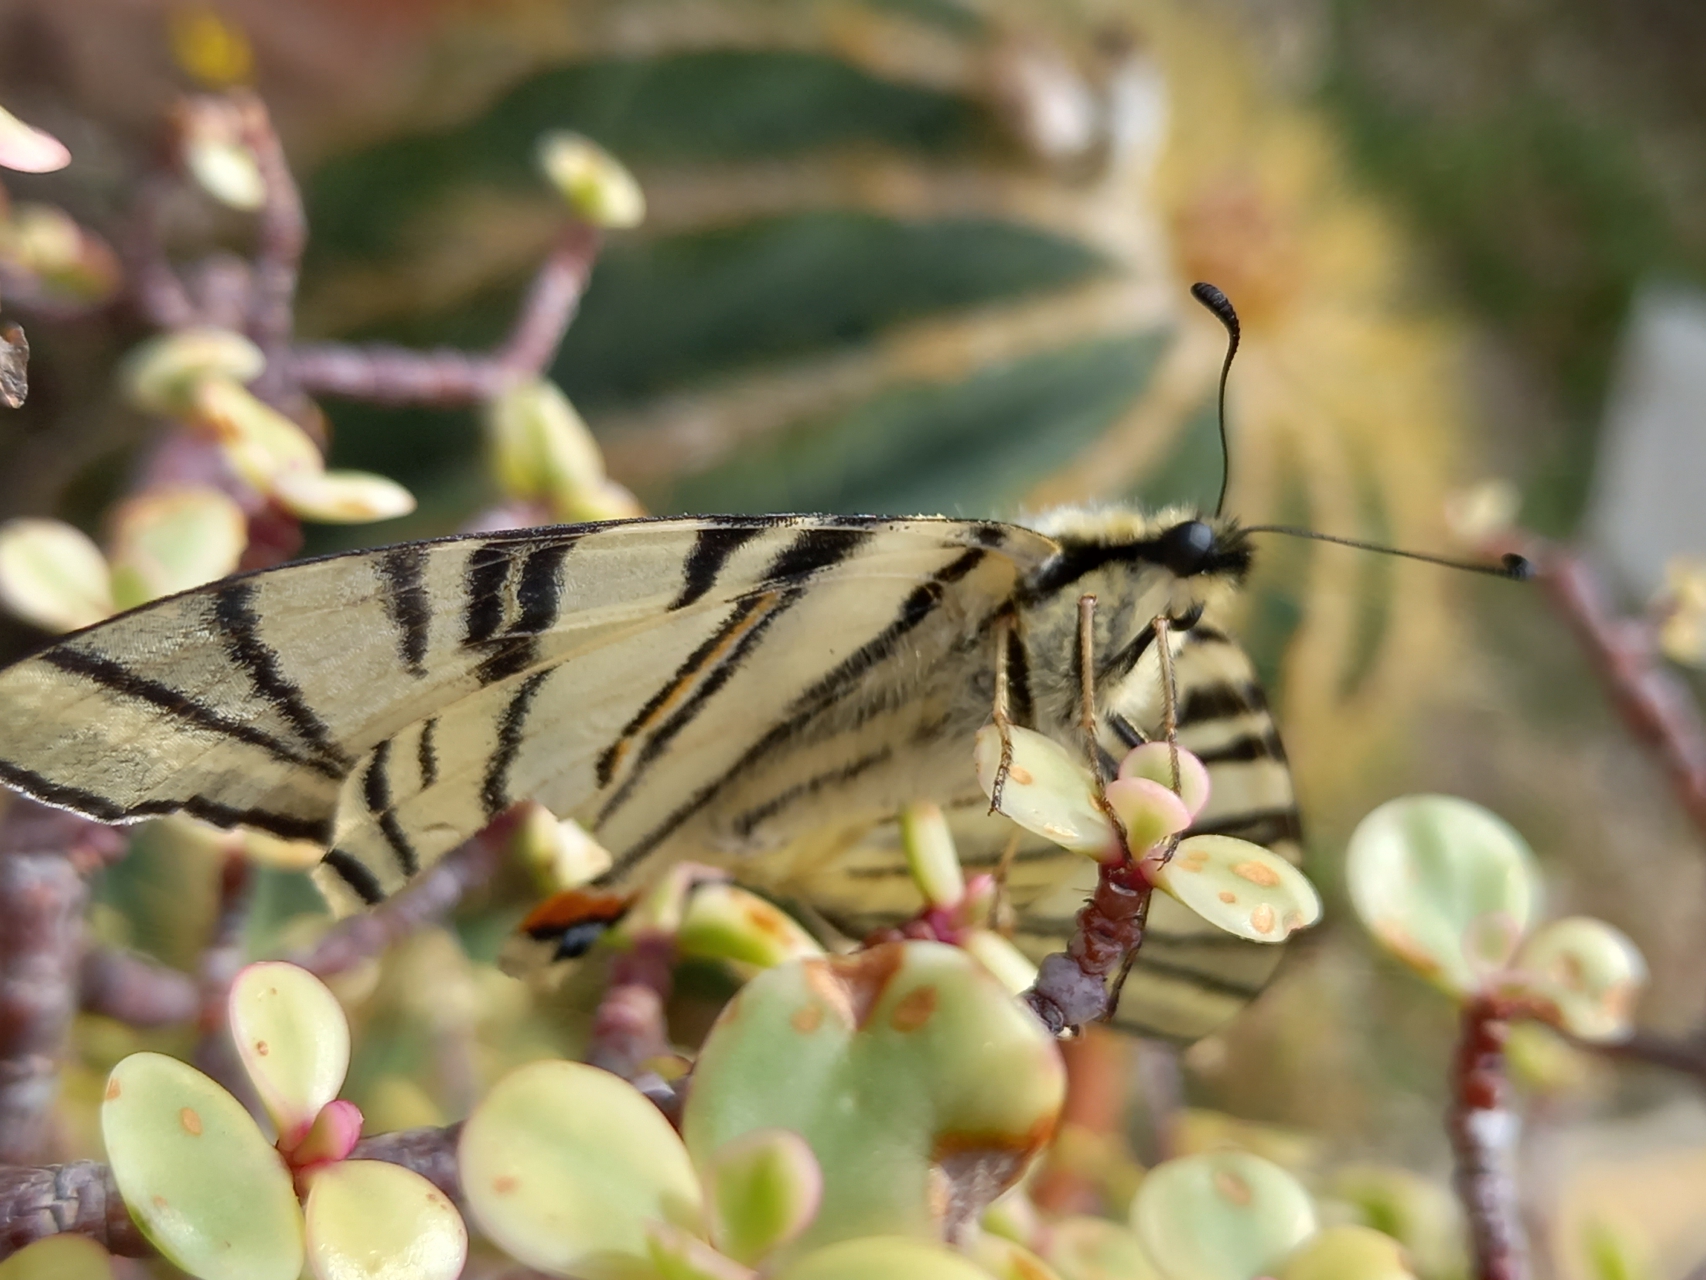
[222,1203]
[1453,892]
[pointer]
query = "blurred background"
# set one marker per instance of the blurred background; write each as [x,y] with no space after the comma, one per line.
[932,255]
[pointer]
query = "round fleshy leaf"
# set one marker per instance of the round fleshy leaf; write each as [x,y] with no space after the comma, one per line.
[1588,972]
[293,1040]
[161,375]
[563,1165]
[763,1190]
[562,854]
[1348,1253]
[596,185]
[368,1220]
[258,441]
[169,540]
[1241,887]
[63,1257]
[725,922]
[1444,885]
[681,1255]
[26,149]
[922,1087]
[1223,1215]
[1048,790]
[205,1186]
[341,497]
[541,448]
[930,855]
[1150,812]
[1154,760]
[889,1257]
[52,575]
[1096,1249]
[331,1137]
[1009,1260]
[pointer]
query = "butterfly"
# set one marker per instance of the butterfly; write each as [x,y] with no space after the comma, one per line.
[761,693]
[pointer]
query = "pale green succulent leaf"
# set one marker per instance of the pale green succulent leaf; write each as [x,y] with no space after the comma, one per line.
[1222,1215]
[1444,885]
[169,540]
[206,1187]
[162,374]
[1240,887]
[891,1258]
[368,1220]
[1048,790]
[922,1087]
[52,575]
[1084,1248]
[1348,1252]
[763,1189]
[563,1165]
[293,1040]
[1589,973]
[340,497]
[62,1257]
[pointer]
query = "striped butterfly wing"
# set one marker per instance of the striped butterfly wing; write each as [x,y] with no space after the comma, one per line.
[641,675]
[1190,977]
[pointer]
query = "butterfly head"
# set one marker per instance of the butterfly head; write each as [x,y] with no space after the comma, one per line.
[1177,560]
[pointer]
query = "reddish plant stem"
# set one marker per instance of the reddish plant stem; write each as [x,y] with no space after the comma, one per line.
[45,857]
[82,1198]
[281,235]
[428,898]
[629,1029]
[396,375]
[1071,990]
[1654,702]
[1483,1128]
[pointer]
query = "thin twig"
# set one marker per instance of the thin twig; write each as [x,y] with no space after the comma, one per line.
[428,898]
[386,374]
[1654,701]
[82,1198]
[136,990]
[1482,1128]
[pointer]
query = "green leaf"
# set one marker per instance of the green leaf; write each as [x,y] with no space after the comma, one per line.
[1444,885]
[368,1220]
[293,1040]
[1241,887]
[63,1257]
[169,540]
[922,1087]
[205,1186]
[1588,972]
[1223,1215]
[887,1257]
[763,1190]
[1348,1253]
[1082,1248]
[563,1165]
[1048,790]
[161,375]
[51,575]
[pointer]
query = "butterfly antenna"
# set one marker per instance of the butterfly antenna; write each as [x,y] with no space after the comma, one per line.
[1221,305]
[1510,565]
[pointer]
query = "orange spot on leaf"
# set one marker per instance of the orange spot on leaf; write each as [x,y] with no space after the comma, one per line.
[112,1090]
[191,1122]
[1231,1187]
[1257,873]
[503,1184]
[807,1018]
[914,1009]
[1021,776]
[262,1048]
[1226,895]
[1262,919]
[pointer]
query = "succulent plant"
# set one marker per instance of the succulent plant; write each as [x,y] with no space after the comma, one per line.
[220,1201]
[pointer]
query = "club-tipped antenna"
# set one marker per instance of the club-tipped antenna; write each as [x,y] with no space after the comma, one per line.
[1510,565]
[1221,305]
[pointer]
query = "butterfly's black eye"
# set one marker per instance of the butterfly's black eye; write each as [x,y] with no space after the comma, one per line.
[578,939]
[1185,548]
